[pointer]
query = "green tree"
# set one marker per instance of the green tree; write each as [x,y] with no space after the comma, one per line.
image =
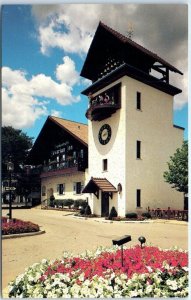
[15,144]
[177,175]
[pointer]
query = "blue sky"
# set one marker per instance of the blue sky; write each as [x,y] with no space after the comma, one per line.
[44,48]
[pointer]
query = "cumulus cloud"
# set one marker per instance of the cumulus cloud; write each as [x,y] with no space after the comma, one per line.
[20,110]
[56,113]
[67,73]
[22,102]
[160,28]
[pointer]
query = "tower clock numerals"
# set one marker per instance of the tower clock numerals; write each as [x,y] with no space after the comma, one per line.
[104,135]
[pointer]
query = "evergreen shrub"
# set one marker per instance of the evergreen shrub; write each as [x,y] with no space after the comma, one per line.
[52,201]
[88,210]
[113,213]
[131,215]
[147,215]
[80,202]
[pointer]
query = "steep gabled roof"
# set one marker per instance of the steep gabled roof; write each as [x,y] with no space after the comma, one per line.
[108,42]
[78,130]
[127,40]
[54,130]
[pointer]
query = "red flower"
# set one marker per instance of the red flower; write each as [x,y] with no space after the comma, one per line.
[135,260]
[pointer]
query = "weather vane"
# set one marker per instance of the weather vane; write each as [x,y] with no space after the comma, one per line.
[130,30]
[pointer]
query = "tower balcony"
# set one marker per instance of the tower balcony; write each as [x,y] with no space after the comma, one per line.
[105,104]
[100,111]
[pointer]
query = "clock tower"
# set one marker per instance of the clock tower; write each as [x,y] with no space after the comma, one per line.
[130,131]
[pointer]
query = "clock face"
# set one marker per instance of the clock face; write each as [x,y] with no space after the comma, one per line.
[104,134]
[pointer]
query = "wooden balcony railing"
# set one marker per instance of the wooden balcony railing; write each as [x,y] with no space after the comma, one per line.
[101,111]
[71,165]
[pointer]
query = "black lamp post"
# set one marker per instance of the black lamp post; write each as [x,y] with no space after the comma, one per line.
[119,242]
[10,168]
[142,240]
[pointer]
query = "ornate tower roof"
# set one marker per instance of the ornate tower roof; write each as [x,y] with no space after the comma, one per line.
[112,53]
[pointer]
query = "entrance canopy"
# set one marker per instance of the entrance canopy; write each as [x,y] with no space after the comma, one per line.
[96,184]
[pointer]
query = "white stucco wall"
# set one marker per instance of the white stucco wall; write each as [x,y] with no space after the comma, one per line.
[51,183]
[153,126]
[114,152]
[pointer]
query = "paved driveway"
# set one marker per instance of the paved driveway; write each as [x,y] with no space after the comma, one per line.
[66,233]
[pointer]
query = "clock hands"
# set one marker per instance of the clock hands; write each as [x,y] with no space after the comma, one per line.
[105,134]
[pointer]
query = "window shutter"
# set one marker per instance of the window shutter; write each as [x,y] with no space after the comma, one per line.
[58,188]
[82,186]
[74,187]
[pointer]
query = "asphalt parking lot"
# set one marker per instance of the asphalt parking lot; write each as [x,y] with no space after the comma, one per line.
[66,233]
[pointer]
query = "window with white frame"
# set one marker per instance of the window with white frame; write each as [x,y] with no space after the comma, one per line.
[61,188]
[78,187]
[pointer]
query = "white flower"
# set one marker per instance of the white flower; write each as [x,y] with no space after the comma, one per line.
[157,292]
[123,276]
[133,294]
[149,269]
[149,289]
[81,277]
[19,278]
[87,282]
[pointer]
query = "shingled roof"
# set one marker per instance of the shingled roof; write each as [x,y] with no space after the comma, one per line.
[78,130]
[54,130]
[101,183]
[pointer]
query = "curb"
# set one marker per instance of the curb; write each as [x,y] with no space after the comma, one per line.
[134,222]
[109,221]
[81,218]
[12,236]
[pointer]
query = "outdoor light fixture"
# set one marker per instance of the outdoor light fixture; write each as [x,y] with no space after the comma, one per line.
[119,242]
[119,188]
[10,169]
[142,240]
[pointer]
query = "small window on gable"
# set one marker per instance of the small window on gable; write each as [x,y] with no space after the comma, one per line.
[138,100]
[104,164]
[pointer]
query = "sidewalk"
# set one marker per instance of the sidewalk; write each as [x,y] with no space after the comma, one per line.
[149,221]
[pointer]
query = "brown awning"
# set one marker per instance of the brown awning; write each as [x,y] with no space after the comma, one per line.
[99,184]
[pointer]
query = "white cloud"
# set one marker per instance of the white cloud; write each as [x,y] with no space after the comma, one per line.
[22,101]
[72,41]
[71,27]
[67,72]
[20,111]
[12,78]
[56,113]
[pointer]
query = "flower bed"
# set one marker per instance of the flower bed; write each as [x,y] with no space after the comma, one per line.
[15,226]
[139,218]
[147,272]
